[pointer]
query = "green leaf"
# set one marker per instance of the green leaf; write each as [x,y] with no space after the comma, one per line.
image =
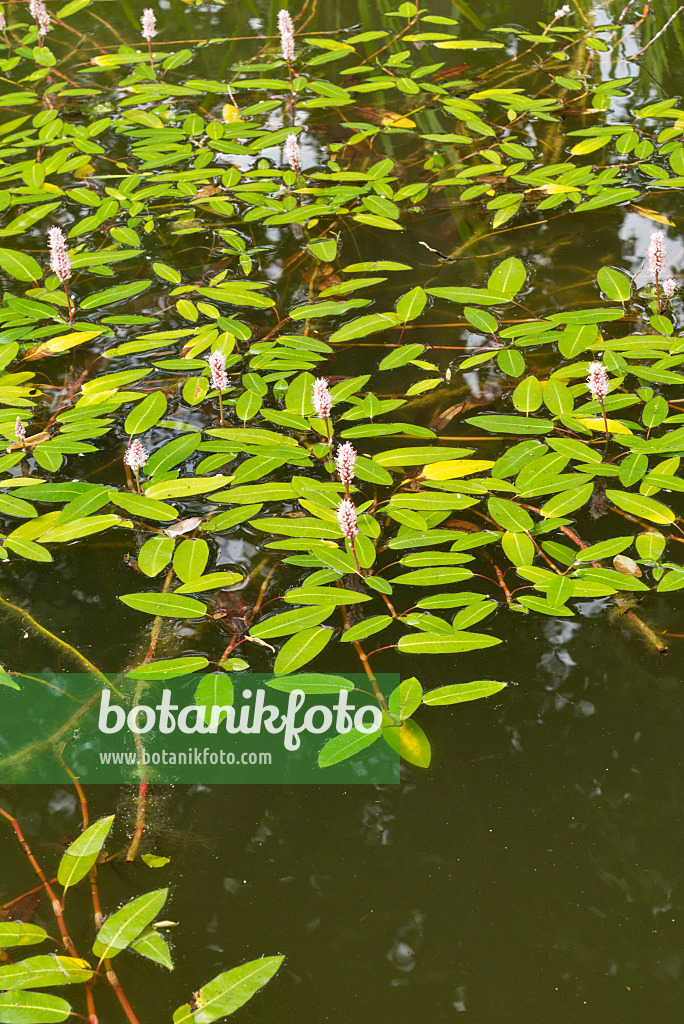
[44,971]
[406,698]
[363,326]
[215,690]
[439,643]
[20,265]
[650,545]
[146,414]
[638,505]
[518,547]
[212,581]
[16,933]
[168,668]
[604,549]
[411,304]
[301,649]
[147,508]
[324,249]
[311,682]
[126,924]
[345,745]
[227,992]
[528,395]
[155,555]
[509,516]
[190,559]
[82,854]
[186,487]
[614,284]
[150,943]
[172,606]
[567,501]
[115,294]
[434,577]
[291,622]
[457,693]
[508,278]
[510,424]
[28,549]
[368,627]
[324,595]
[32,1008]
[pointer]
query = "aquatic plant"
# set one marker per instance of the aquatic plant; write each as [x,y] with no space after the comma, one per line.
[131,928]
[502,506]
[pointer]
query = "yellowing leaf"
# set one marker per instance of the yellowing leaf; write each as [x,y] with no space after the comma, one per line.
[652,215]
[61,344]
[454,468]
[552,189]
[395,121]
[596,423]
[231,114]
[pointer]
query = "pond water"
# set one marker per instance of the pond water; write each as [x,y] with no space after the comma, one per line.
[533,871]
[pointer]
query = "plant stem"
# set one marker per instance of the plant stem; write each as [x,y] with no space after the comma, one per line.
[56,905]
[139,822]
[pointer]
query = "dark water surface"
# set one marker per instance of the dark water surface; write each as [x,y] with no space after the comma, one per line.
[534,873]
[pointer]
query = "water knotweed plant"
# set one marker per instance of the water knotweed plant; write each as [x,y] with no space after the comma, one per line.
[345,461]
[148,21]
[347,518]
[219,377]
[656,259]
[322,402]
[599,386]
[19,430]
[136,456]
[60,264]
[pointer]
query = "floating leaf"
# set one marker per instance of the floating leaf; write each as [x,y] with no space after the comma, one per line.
[228,992]
[82,854]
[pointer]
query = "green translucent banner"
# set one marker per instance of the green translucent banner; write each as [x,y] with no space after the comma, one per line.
[215,728]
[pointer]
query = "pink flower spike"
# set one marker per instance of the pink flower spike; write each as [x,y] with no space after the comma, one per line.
[670,287]
[39,13]
[656,252]
[3,23]
[346,463]
[597,382]
[19,430]
[148,21]
[60,263]
[136,455]
[322,399]
[293,153]
[562,11]
[347,518]
[217,365]
[286,29]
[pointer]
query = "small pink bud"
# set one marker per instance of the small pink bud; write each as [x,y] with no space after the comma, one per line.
[136,455]
[670,287]
[347,518]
